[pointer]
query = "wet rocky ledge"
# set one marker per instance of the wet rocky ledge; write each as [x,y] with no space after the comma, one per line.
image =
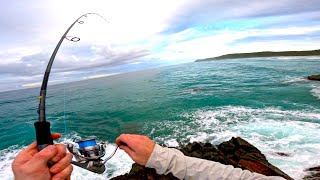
[313,173]
[236,152]
[314,77]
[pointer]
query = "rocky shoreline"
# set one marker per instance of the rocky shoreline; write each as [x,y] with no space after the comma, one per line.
[313,173]
[314,77]
[236,152]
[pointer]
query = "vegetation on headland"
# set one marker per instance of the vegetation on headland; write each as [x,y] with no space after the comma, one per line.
[264,54]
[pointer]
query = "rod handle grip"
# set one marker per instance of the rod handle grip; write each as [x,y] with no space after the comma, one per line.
[43,134]
[44,137]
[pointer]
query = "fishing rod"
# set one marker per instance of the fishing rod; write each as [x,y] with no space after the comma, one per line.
[89,154]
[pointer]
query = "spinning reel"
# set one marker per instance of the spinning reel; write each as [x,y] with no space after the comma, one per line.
[89,154]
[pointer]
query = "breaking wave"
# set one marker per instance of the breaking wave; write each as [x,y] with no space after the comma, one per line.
[272,130]
[316,91]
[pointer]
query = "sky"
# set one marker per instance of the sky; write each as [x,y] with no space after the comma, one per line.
[140,34]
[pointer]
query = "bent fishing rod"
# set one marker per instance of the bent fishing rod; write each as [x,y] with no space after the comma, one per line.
[89,153]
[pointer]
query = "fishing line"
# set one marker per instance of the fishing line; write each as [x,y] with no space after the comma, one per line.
[89,154]
[64,105]
[74,39]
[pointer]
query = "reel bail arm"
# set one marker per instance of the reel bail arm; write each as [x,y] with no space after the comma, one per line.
[89,154]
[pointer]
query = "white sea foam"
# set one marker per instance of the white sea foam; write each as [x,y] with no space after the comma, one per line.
[6,158]
[171,143]
[272,130]
[316,91]
[119,164]
[290,79]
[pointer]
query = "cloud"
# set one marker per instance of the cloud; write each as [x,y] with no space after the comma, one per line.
[310,38]
[193,13]
[102,56]
[234,41]
[39,22]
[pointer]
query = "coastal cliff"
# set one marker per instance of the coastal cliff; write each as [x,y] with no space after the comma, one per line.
[264,54]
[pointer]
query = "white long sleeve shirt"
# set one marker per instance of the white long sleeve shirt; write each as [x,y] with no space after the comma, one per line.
[170,160]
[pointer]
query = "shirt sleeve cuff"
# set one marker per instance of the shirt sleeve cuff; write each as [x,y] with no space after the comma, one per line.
[158,159]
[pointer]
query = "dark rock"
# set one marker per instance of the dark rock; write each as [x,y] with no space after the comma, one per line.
[238,149]
[314,77]
[236,152]
[205,151]
[139,172]
[314,169]
[313,173]
[256,166]
[249,157]
[282,154]
[198,89]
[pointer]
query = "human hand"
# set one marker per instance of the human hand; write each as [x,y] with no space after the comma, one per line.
[138,147]
[32,165]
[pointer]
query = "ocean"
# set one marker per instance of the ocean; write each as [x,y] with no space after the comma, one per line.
[267,101]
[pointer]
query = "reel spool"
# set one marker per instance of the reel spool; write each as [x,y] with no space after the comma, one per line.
[89,154]
[89,149]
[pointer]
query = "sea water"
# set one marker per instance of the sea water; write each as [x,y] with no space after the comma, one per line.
[268,102]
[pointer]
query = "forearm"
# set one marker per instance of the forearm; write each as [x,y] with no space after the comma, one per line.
[167,160]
